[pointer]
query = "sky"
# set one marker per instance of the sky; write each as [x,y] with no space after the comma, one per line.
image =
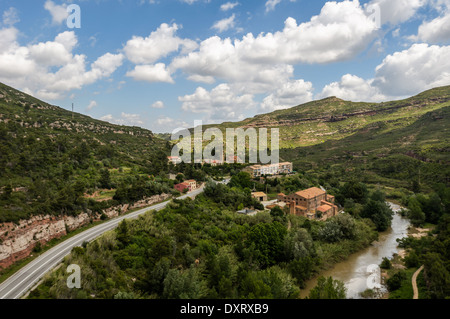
[163,64]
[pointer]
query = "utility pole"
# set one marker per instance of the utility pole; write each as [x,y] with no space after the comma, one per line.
[72,111]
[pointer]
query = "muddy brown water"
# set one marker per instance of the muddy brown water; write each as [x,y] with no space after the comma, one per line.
[355,271]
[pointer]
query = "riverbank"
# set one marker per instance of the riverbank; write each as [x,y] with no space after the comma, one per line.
[355,271]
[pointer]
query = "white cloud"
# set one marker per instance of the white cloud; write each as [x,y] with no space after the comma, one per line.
[228,6]
[435,31]
[353,88]
[400,75]
[338,33]
[158,105]
[397,11]
[58,12]
[271,4]
[224,24]
[91,105]
[416,69]
[288,95]
[10,17]
[49,69]
[124,119]
[157,45]
[151,73]
[221,103]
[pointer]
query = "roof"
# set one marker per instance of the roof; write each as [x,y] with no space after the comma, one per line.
[184,184]
[281,194]
[324,208]
[190,181]
[285,163]
[259,194]
[310,192]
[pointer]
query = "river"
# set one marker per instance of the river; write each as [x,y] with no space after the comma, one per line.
[354,271]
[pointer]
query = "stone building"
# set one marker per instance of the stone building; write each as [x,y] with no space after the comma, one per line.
[312,203]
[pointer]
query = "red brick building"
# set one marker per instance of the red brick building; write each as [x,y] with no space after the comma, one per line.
[313,203]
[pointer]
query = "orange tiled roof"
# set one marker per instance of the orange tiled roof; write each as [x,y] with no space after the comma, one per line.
[324,208]
[310,192]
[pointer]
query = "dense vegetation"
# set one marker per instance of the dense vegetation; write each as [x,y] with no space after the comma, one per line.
[203,249]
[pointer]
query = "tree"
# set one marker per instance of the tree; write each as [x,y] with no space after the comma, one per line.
[327,288]
[105,179]
[415,213]
[395,282]
[386,263]
[268,240]
[379,212]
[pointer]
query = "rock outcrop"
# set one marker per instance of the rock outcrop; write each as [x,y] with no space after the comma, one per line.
[17,241]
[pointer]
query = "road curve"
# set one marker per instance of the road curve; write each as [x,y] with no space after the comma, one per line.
[414,283]
[22,281]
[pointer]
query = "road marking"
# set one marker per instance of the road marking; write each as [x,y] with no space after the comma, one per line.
[89,235]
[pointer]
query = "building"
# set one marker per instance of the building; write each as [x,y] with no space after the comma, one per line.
[181,187]
[262,197]
[313,203]
[190,185]
[270,169]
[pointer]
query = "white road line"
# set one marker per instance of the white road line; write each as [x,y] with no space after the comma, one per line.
[67,246]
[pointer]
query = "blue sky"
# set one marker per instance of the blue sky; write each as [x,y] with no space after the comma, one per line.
[163,64]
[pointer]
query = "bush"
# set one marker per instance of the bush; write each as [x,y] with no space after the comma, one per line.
[395,282]
[386,264]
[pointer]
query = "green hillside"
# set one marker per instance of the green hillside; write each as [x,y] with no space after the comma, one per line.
[334,119]
[50,157]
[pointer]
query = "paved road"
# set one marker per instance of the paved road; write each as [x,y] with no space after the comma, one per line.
[22,281]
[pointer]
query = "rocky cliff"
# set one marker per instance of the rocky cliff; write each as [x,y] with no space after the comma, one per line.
[17,241]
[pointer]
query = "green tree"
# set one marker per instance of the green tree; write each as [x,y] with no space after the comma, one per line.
[328,288]
[268,240]
[415,213]
[379,212]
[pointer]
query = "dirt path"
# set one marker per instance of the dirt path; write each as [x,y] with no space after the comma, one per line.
[414,283]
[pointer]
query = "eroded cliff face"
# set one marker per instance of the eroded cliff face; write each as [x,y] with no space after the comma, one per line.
[17,241]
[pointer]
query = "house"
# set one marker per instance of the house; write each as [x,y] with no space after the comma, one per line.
[313,203]
[262,197]
[190,185]
[270,169]
[181,187]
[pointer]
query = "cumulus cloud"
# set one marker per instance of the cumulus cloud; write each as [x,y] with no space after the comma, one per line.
[288,95]
[58,12]
[49,69]
[157,45]
[221,103]
[338,33]
[402,74]
[416,69]
[151,73]
[158,105]
[397,11]
[353,88]
[436,30]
